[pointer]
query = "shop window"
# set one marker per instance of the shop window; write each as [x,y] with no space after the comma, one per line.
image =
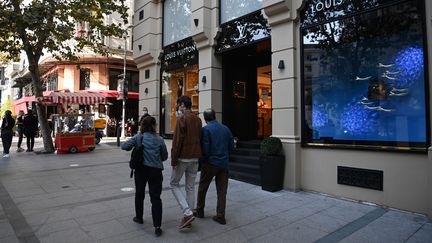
[176,83]
[232,9]
[177,20]
[368,88]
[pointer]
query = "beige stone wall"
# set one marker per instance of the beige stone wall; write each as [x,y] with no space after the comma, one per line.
[147,46]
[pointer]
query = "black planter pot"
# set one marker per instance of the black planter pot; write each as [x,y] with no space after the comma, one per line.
[272,172]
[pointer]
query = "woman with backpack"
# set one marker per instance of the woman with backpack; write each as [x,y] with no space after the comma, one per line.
[149,171]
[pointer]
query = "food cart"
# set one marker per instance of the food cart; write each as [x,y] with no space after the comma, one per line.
[74,133]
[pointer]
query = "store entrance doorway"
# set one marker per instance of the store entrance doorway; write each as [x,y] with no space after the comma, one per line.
[247,103]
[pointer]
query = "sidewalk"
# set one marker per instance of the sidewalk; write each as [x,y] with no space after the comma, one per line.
[87,197]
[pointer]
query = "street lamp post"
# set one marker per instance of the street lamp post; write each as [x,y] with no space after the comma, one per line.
[123,88]
[124,84]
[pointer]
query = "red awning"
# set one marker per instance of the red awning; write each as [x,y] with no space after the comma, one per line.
[111,93]
[75,98]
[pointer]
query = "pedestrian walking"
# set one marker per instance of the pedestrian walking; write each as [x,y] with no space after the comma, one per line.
[155,152]
[30,124]
[20,129]
[185,152]
[7,126]
[217,142]
[145,114]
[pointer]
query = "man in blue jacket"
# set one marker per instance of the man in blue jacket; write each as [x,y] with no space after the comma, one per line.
[217,142]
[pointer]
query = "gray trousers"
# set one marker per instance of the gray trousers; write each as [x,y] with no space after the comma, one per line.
[189,169]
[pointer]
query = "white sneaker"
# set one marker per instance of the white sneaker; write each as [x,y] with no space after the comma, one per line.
[5,155]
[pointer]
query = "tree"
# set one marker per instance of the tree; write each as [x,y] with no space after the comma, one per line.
[7,105]
[63,28]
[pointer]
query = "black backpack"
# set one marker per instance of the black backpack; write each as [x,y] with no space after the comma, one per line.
[137,157]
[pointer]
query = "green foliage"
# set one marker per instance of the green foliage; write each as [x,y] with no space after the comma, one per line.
[62,28]
[271,146]
[7,105]
[51,25]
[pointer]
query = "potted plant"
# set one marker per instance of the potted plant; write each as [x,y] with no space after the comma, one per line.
[272,164]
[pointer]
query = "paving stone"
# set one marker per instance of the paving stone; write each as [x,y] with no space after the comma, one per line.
[235,236]
[344,213]
[264,226]
[55,227]
[388,228]
[75,235]
[424,235]
[292,233]
[104,229]
[50,216]
[6,229]
[88,209]
[323,222]
[9,239]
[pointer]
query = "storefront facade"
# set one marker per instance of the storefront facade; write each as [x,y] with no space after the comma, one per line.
[344,84]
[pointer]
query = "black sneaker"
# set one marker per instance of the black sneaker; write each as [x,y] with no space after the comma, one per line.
[220,220]
[158,231]
[138,221]
[198,213]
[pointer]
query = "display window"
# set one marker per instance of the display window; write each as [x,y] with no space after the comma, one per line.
[364,82]
[176,83]
[232,9]
[177,20]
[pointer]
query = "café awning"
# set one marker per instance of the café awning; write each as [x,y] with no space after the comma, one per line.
[75,98]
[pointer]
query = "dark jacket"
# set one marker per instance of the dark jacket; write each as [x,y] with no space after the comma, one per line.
[8,124]
[155,150]
[217,143]
[30,124]
[19,122]
[187,138]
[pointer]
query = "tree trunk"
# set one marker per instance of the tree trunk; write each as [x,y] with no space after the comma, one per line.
[40,108]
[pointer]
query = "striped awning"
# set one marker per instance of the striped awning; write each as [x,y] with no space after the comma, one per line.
[76,98]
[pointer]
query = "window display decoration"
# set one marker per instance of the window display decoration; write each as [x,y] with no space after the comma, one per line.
[363,82]
[176,83]
[243,31]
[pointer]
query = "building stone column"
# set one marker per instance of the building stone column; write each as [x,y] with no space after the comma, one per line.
[282,18]
[147,46]
[429,55]
[206,14]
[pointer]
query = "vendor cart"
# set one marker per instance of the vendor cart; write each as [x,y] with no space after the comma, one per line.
[74,133]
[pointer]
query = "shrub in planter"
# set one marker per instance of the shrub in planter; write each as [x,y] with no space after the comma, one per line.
[271,146]
[272,164]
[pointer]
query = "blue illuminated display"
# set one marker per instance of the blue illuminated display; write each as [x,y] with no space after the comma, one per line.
[366,87]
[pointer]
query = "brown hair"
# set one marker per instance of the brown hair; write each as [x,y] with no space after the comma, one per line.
[148,124]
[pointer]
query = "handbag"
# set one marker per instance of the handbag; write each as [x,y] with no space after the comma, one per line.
[137,157]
